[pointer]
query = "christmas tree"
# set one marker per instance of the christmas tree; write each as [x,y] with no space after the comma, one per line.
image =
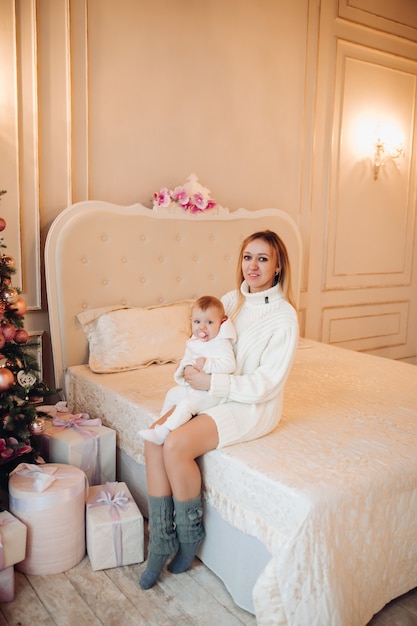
[20,385]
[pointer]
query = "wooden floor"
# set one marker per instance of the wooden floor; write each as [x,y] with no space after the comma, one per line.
[81,597]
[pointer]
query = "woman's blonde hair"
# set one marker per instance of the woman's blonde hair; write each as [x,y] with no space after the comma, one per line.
[283,277]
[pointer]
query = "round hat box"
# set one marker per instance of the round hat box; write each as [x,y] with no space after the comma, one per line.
[50,500]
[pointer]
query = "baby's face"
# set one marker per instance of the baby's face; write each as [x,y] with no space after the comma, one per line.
[205,325]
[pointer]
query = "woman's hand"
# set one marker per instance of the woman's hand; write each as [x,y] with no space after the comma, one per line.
[196,379]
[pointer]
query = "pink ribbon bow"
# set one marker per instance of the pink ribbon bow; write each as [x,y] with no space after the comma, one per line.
[78,421]
[116,500]
[91,452]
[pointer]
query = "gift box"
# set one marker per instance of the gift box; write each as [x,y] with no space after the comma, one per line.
[12,550]
[7,584]
[114,527]
[79,441]
[13,535]
[50,500]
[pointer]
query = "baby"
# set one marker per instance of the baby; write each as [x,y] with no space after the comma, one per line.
[210,349]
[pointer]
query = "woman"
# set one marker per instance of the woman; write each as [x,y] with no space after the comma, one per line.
[267,334]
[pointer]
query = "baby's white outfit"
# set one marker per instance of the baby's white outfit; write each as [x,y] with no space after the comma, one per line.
[220,359]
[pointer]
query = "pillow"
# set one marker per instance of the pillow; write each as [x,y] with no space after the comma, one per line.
[122,339]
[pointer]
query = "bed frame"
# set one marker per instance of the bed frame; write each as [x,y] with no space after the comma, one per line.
[98,254]
[336,539]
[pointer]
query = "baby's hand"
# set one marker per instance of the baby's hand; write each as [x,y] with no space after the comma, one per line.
[200,363]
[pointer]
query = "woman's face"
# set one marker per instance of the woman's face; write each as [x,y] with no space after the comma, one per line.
[259,265]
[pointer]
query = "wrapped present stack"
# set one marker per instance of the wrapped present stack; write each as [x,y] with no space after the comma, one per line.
[13,535]
[55,517]
[79,441]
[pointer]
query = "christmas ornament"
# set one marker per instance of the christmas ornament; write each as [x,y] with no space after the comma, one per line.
[2,224]
[37,426]
[8,262]
[19,307]
[8,331]
[26,379]
[9,295]
[6,379]
[21,335]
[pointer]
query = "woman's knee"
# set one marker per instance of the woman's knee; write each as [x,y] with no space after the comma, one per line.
[175,447]
[191,440]
[153,454]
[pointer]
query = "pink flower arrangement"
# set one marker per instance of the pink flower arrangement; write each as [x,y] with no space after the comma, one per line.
[191,197]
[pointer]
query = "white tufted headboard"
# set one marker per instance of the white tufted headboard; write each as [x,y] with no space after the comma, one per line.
[99,254]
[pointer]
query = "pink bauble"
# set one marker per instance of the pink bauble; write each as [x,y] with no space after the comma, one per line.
[8,331]
[21,336]
[2,224]
[2,341]
[6,379]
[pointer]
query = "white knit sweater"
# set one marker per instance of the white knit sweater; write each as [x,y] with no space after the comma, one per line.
[267,336]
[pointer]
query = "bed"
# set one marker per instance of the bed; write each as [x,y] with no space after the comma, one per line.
[313,525]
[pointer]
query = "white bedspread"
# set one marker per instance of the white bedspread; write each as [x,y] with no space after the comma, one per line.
[332,492]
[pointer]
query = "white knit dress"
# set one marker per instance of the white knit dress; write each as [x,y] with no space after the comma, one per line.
[267,337]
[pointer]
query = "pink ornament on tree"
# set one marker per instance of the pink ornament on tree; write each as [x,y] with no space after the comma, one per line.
[21,335]
[8,331]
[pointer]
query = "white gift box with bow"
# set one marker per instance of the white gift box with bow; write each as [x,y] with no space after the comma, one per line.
[79,441]
[114,527]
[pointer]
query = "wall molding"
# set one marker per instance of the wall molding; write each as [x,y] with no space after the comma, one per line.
[370,226]
[28,150]
[398,18]
[366,326]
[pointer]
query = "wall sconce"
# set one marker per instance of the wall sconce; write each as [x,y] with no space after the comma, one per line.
[382,148]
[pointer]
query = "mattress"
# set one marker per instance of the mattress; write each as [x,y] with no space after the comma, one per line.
[331,492]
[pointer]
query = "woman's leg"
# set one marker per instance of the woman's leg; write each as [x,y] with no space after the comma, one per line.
[172,468]
[163,541]
[180,451]
[191,441]
[156,476]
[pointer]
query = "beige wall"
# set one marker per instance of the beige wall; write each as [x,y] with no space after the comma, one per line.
[112,99]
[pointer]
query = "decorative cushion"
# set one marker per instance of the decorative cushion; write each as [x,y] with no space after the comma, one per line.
[131,338]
